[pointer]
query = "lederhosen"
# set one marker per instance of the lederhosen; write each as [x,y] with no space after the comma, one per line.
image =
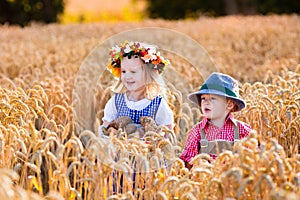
[217,146]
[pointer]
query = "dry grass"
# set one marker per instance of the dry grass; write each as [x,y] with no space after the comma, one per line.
[44,155]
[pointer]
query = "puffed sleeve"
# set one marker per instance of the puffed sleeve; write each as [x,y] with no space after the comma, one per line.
[164,114]
[110,110]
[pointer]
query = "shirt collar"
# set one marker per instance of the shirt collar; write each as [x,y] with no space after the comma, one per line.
[229,118]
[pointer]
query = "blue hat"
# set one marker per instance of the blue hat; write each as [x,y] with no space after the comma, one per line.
[219,84]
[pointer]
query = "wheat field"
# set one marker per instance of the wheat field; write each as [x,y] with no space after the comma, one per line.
[45,153]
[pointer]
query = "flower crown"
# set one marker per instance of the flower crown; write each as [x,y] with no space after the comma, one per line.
[145,52]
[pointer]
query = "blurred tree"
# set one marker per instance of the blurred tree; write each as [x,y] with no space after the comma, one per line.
[246,7]
[278,7]
[180,9]
[230,7]
[22,12]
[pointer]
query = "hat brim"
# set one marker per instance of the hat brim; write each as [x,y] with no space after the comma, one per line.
[196,98]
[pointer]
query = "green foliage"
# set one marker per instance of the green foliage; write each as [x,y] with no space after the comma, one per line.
[278,6]
[22,12]
[181,9]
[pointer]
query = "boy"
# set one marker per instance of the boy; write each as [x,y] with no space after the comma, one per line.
[218,97]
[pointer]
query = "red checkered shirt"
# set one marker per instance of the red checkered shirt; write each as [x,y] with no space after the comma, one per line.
[212,133]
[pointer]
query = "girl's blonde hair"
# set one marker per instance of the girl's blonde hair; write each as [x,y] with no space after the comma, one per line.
[154,83]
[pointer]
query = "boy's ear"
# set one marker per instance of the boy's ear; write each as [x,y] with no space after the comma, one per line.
[230,105]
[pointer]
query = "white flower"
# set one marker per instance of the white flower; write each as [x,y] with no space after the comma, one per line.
[151,50]
[127,48]
[116,49]
[153,57]
[149,57]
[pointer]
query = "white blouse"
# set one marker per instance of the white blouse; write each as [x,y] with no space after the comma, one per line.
[164,114]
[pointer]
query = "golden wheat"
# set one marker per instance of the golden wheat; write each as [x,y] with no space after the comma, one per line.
[44,155]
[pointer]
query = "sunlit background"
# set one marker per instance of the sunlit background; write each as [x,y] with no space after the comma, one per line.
[103,10]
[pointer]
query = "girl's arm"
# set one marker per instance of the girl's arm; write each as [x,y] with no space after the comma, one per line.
[170,126]
[164,115]
[105,123]
[110,112]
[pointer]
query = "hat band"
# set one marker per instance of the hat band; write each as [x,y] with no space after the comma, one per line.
[218,88]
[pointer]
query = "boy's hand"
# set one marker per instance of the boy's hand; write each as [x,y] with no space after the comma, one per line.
[188,165]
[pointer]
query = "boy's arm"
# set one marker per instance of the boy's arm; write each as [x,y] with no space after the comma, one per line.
[191,146]
[244,128]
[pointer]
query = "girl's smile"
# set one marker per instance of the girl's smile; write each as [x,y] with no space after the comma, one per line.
[130,83]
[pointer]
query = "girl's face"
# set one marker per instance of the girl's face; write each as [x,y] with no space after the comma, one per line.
[132,74]
[214,107]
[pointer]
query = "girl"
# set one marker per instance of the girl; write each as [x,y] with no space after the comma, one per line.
[139,90]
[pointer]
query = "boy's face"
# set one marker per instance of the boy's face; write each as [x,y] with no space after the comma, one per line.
[132,74]
[214,107]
